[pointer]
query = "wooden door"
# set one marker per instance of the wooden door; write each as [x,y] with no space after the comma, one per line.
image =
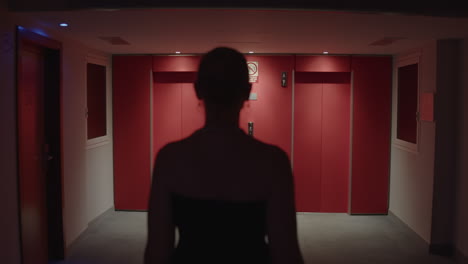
[32,159]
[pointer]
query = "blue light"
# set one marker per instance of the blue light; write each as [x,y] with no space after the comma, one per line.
[63,24]
[39,32]
[35,30]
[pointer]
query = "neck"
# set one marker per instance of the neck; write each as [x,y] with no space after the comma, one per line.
[221,117]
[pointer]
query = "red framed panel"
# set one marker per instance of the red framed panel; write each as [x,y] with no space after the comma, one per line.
[271,112]
[308,146]
[407,103]
[336,100]
[371,134]
[323,63]
[131,119]
[176,63]
[96,100]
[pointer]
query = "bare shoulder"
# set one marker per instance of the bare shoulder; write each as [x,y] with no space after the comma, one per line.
[273,152]
[173,148]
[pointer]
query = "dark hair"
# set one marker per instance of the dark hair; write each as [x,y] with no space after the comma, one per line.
[223,77]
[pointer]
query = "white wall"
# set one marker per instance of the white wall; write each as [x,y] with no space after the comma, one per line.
[9,226]
[74,153]
[88,173]
[461,239]
[99,159]
[412,174]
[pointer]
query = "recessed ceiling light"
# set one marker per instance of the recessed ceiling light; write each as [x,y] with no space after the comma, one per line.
[325,52]
[251,52]
[63,24]
[177,52]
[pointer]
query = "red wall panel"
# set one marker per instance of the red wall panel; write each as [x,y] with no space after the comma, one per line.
[176,63]
[335,147]
[371,134]
[167,126]
[323,63]
[271,112]
[193,112]
[322,77]
[131,118]
[174,77]
[308,146]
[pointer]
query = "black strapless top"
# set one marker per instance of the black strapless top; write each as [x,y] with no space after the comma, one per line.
[221,232]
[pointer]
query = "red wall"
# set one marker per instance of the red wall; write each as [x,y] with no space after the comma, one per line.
[131,119]
[372,78]
[323,63]
[176,63]
[271,112]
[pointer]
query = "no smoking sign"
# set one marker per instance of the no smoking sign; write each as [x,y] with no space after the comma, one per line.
[253,71]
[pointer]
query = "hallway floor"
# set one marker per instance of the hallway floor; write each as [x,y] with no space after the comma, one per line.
[119,238]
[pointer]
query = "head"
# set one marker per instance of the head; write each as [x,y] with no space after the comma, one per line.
[223,79]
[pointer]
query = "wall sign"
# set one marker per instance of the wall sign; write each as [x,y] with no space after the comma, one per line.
[253,71]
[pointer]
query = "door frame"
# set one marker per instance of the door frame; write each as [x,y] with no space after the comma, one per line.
[26,36]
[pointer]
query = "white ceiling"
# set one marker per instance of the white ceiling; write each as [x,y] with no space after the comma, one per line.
[262,31]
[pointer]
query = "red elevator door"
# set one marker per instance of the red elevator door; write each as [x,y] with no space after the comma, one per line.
[177,113]
[322,146]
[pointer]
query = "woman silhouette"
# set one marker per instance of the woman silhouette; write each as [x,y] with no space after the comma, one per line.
[230,196]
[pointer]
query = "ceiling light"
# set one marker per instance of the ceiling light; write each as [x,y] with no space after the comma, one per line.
[325,52]
[177,52]
[251,52]
[63,24]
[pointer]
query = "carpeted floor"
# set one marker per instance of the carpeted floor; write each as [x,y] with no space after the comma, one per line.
[119,238]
